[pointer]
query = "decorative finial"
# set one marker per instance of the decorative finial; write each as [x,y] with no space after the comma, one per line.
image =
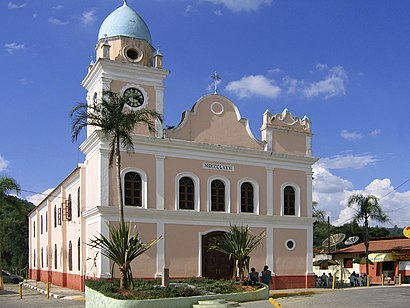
[125,2]
[105,39]
[215,77]
[158,52]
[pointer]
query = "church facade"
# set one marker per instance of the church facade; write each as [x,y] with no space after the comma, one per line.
[184,184]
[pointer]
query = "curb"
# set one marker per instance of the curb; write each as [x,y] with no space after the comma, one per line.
[56,296]
[274,303]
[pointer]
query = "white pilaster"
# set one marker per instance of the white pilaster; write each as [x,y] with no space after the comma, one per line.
[103,178]
[159,106]
[159,162]
[105,271]
[269,248]
[309,256]
[269,190]
[160,249]
[309,193]
[309,146]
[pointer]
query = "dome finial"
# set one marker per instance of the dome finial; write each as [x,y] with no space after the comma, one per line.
[125,2]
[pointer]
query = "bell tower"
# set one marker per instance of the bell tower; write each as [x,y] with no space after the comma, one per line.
[127,63]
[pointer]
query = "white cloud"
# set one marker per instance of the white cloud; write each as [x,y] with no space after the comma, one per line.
[347,161]
[242,5]
[37,198]
[375,132]
[3,163]
[35,15]
[334,83]
[25,82]
[325,182]
[345,134]
[12,47]
[56,21]
[88,17]
[190,9]
[14,6]
[254,85]
[57,7]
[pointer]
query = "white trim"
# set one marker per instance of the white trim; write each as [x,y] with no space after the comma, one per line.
[255,195]
[144,186]
[197,188]
[309,254]
[309,193]
[269,247]
[103,176]
[159,181]
[294,244]
[200,235]
[269,191]
[159,106]
[160,249]
[297,199]
[227,183]
[219,105]
[105,270]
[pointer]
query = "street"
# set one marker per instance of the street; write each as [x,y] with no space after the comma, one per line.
[9,297]
[396,297]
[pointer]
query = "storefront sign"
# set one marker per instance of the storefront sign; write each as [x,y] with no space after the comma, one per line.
[401,255]
[214,166]
[380,257]
[404,266]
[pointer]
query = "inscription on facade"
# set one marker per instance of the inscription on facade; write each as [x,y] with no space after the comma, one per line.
[214,166]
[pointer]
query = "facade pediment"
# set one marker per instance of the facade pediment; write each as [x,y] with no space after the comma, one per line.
[214,119]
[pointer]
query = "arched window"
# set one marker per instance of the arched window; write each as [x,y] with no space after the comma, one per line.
[46,221]
[186,193]
[70,256]
[247,198]
[55,256]
[79,254]
[41,257]
[41,224]
[289,201]
[34,258]
[217,196]
[55,216]
[133,189]
[69,208]
[79,202]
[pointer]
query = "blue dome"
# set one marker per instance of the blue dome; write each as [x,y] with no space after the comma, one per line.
[126,22]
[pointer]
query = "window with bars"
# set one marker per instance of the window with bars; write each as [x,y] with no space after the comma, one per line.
[186,193]
[55,256]
[79,202]
[217,196]
[78,254]
[289,201]
[55,216]
[247,198]
[69,208]
[132,189]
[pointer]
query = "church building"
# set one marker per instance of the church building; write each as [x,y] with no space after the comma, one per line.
[184,184]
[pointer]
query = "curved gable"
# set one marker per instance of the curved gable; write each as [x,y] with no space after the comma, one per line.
[214,119]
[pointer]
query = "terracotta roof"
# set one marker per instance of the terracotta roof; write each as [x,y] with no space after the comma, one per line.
[378,246]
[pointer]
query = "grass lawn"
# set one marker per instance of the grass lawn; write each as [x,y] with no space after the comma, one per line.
[149,289]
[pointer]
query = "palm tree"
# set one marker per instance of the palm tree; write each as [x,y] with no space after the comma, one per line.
[117,123]
[7,185]
[367,207]
[238,244]
[122,247]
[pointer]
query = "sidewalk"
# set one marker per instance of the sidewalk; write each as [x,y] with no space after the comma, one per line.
[55,291]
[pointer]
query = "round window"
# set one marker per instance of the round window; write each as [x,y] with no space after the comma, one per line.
[132,54]
[290,244]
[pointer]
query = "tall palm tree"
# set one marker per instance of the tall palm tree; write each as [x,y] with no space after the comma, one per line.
[367,208]
[238,243]
[117,123]
[7,185]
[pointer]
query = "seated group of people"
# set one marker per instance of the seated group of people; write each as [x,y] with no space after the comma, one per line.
[265,277]
[357,280]
[324,280]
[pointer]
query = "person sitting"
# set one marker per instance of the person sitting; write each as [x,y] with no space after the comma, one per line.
[253,276]
[324,279]
[266,276]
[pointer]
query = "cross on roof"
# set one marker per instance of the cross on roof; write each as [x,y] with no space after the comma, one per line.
[215,77]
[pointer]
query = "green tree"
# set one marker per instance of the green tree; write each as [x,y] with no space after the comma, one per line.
[122,247]
[7,185]
[238,243]
[367,207]
[318,214]
[117,123]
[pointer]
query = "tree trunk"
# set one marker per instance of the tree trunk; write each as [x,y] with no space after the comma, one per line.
[366,243]
[123,280]
[119,186]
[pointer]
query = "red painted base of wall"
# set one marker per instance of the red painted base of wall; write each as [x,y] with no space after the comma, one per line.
[292,282]
[66,280]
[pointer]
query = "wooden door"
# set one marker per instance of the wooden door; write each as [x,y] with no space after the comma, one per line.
[215,264]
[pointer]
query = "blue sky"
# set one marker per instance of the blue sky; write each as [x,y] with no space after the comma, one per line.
[344,64]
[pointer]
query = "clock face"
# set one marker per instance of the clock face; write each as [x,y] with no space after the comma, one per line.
[135,97]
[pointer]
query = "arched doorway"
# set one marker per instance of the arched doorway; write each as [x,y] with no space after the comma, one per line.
[215,264]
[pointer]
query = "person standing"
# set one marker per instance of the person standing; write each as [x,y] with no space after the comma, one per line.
[266,276]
